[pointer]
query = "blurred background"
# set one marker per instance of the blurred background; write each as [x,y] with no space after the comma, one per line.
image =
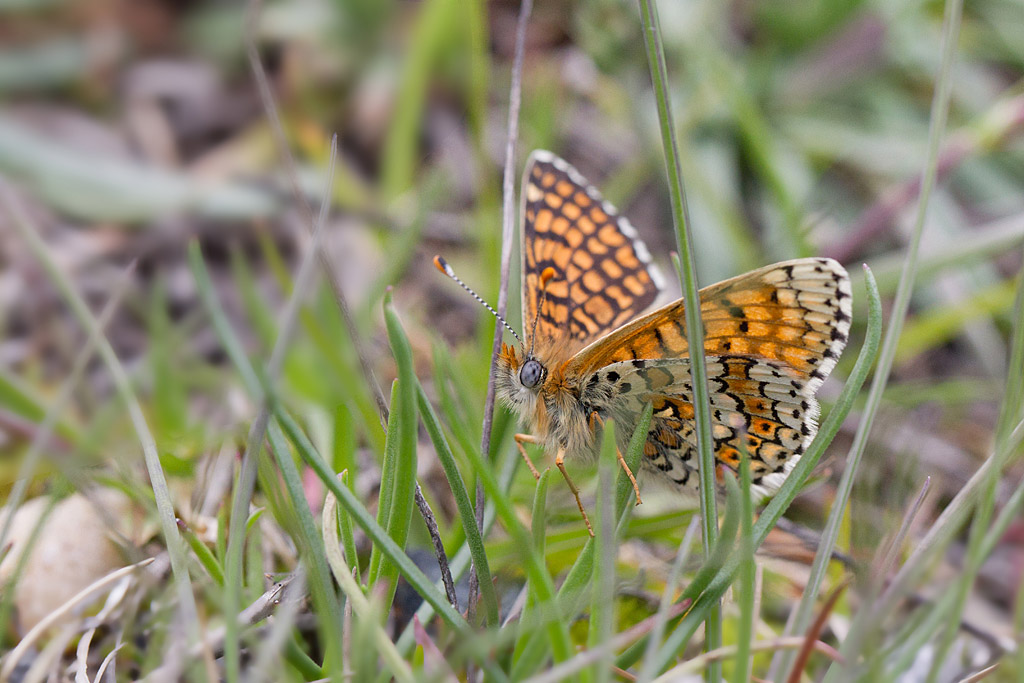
[132,129]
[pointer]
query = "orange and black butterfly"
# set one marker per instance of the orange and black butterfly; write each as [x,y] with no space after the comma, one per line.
[772,337]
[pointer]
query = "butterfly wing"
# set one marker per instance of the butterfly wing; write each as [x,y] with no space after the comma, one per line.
[772,337]
[603,275]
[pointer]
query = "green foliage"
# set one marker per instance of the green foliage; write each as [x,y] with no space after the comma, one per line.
[774,116]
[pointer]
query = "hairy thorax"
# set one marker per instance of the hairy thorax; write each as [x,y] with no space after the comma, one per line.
[561,412]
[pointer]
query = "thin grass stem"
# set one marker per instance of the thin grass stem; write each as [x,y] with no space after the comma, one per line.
[164,504]
[507,230]
[41,437]
[246,482]
[648,671]
[694,325]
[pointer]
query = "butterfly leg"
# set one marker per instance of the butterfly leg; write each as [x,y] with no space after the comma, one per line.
[594,417]
[560,464]
[520,439]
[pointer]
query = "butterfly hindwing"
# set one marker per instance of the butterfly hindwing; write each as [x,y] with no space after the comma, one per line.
[771,338]
[603,275]
[762,406]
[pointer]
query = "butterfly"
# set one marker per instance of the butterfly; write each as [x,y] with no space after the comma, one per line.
[771,338]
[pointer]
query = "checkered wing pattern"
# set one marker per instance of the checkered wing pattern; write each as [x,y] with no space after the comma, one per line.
[603,275]
[772,337]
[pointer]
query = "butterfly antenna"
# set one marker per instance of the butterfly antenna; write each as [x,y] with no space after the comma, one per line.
[443,266]
[545,278]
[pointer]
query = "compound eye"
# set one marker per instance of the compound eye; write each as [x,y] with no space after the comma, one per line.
[531,373]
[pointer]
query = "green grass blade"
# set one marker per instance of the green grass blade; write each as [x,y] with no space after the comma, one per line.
[164,504]
[205,557]
[245,485]
[648,671]
[385,492]
[534,563]
[459,565]
[312,553]
[573,590]
[713,566]
[474,540]
[901,305]
[602,603]
[364,519]
[747,576]
[348,537]
[694,325]
[360,605]
[1012,409]
[22,401]
[402,432]
[527,624]
[430,34]
[232,345]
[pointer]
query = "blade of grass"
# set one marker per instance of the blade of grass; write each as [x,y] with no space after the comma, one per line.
[164,504]
[48,425]
[937,125]
[578,578]
[1012,409]
[430,32]
[534,563]
[460,564]
[232,345]
[243,491]
[648,672]
[360,605]
[602,602]
[385,492]
[416,578]
[348,538]
[747,575]
[507,228]
[528,621]
[352,341]
[694,324]
[474,540]
[22,401]
[312,553]
[713,566]
[400,447]
[205,557]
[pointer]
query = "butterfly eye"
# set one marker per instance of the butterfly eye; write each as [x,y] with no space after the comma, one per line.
[531,373]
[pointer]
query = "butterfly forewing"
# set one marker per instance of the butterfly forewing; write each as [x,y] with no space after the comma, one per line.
[603,276]
[794,312]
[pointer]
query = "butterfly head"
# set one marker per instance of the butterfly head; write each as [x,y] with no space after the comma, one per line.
[519,378]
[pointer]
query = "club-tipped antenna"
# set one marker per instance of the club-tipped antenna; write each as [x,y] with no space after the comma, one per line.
[443,266]
[545,277]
